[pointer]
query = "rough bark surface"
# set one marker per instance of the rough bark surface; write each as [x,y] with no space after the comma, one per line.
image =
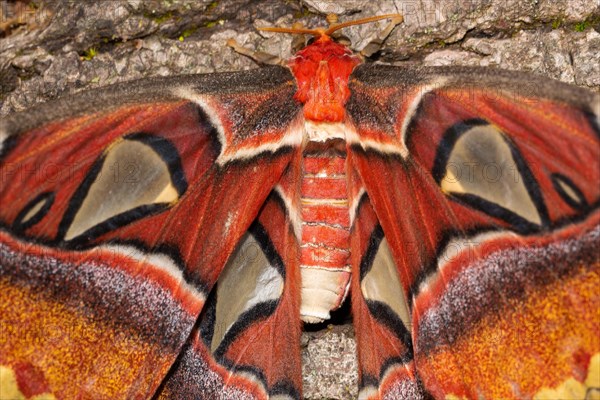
[52,48]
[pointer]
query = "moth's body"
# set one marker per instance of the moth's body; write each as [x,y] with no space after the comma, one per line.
[325,225]
[260,198]
[322,71]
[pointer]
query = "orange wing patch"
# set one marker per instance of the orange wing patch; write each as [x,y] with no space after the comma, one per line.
[520,351]
[68,338]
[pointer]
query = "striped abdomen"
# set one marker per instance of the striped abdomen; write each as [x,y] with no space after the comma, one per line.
[325,248]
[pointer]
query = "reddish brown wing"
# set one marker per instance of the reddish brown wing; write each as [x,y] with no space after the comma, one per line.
[484,193]
[251,324]
[120,209]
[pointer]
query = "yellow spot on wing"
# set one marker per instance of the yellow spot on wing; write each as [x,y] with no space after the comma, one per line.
[9,389]
[573,389]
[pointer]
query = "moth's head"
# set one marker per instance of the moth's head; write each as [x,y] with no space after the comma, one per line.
[330,36]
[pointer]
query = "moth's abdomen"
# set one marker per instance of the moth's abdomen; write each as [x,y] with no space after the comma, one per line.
[325,248]
[325,217]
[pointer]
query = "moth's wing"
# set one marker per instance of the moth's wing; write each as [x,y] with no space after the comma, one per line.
[251,323]
[120,209]
[485,188]
[380,312]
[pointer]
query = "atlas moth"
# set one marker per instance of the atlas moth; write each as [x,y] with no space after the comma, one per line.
[196,221]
